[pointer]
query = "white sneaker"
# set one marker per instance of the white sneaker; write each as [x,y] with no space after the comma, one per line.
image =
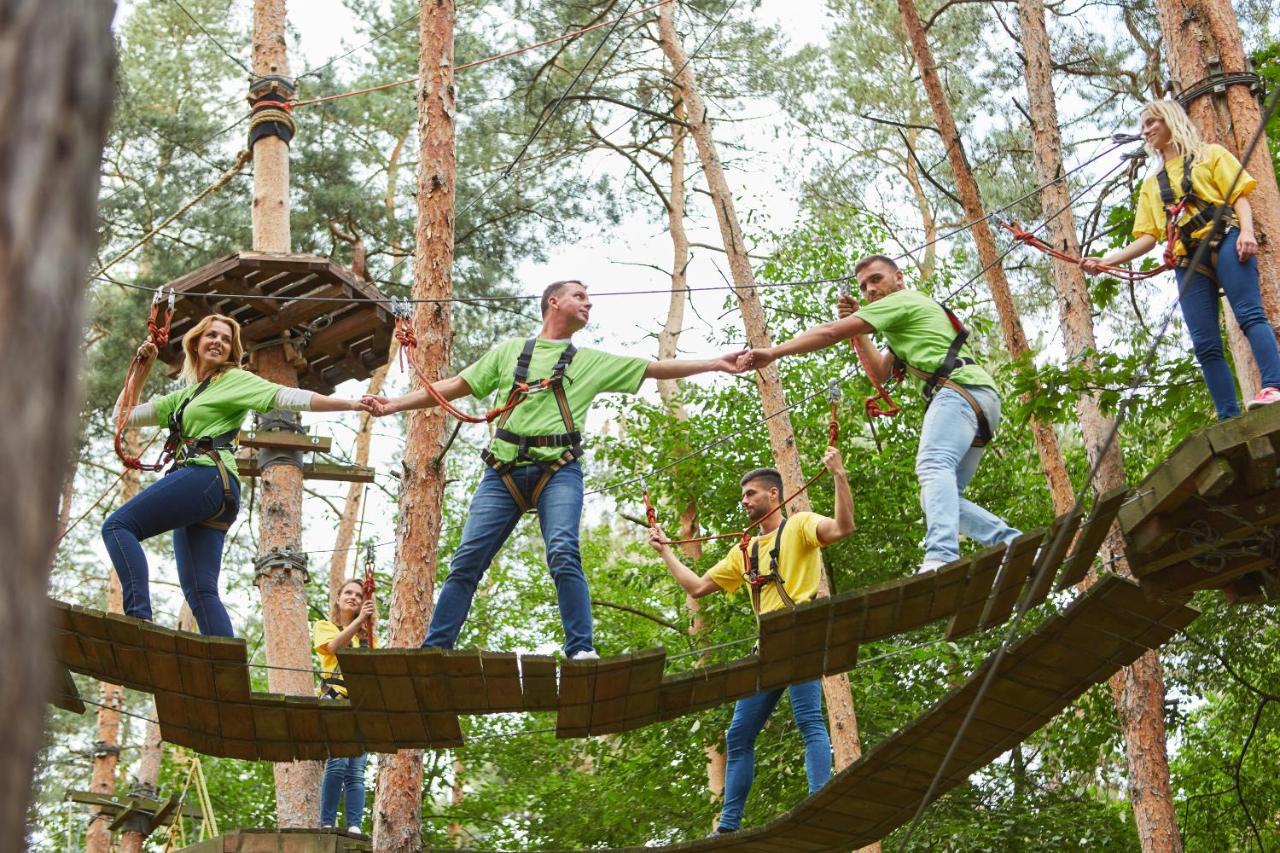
[584,654]
[929,566]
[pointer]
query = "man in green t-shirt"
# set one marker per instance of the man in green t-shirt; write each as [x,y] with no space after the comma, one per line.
[533,460]
[962,407]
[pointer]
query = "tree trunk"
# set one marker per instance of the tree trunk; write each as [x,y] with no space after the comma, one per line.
[844,724]
[456,795]
[56,89]
[1202,37]
[106,752]
[145,781]
[1015,339]
[270,153]
[398,805]
[1139,689]
[352,508]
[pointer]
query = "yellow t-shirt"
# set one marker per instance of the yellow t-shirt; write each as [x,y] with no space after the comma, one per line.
[322,631]
[801,560]
[1212,175]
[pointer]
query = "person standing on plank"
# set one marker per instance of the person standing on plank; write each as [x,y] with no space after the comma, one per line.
[200,495]
[782,569]
[962,406]
[533,460]
[1194,183]
[350,622]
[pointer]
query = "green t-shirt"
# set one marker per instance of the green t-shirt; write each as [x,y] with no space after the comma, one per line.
[592,372]
[221,407]
[918,331]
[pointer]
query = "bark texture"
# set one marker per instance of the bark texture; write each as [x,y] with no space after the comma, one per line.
[270,154]
[1015,339]
[343,555]
[56,88]
[1203,37]
[840,712]
[1138,690]
[398,805]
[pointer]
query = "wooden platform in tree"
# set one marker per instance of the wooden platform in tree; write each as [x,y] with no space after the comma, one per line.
[282,841]
[347,340]
[146,814]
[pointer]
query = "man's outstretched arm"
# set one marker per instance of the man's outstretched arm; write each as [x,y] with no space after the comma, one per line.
[841,524]
[451,389]
[810,340]
[695,586]
[679,368]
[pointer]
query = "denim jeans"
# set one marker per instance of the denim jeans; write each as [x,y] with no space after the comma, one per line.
[1198,297]
[749,716]
[490,520]
[945,463]
[343,778]
[179,501]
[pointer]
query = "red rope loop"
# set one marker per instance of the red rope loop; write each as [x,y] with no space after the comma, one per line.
[879,404]
[1123,273]
[367,589]
[158,334]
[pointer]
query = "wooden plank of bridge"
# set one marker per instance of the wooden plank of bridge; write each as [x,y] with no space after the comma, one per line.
[626,693]
[979,578]
[1013,574]
[161,645]
[788,641]
[1050,557]
[340,731]
[1092,535]
[462,677]
[131,658]
[360,677]
[65,694]
[538,682]
[1171,483]
[502,681]
[577,688]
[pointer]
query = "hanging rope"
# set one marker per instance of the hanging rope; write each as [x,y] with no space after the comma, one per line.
[367,588]
[157,334]
[1028,238]
[402,311]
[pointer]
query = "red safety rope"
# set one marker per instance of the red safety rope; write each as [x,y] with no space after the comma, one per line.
[744,536]
[879,404]
[158,334]
[367,589]
[408,348]
[1122,273]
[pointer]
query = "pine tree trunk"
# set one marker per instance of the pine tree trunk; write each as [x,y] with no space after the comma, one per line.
[106,752]
[1051,461]
[1201,37]
[56,89]
[840,712]
[1138,690]
[398,805]
[145,781]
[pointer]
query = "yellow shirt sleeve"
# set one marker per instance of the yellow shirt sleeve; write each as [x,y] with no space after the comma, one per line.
[1223,167]
[808,532]
[1149,218]
[727,573]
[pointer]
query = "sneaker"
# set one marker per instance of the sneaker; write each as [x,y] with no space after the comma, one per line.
[584,654]
[929,566]
[1265,397]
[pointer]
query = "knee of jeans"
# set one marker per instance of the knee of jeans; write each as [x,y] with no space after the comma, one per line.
[564,557]
[118,522]
[932,464]
[1207,347]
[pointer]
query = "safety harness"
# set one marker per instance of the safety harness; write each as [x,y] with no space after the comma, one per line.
[570,439]
[1204,213]
[880,404]
[758,581]
[182,449]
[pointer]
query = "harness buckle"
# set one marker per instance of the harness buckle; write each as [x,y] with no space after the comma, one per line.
[537,387]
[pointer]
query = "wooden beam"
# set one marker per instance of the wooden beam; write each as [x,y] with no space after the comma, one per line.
[247,467]
[281,440]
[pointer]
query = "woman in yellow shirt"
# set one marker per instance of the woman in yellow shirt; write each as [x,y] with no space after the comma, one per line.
[349,614]
[1216,179]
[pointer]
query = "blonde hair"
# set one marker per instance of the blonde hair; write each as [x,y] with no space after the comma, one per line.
[1186,139]
[192,339]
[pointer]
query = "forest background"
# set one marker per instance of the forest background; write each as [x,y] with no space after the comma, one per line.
[826,133]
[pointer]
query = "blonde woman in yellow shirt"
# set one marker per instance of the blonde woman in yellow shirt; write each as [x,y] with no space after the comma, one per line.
[343,779]
[1216,179]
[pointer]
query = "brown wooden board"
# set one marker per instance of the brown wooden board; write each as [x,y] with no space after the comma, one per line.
[64,693]
[791,643]
[162,658]
[502,681]
[196,669]
[1092,535]
[1055,547]
[538,682]
[577,687]
[1013,574]
[978,582]
[1217,478]
[126,639]
[1166,487]
[1259,465]
[626,693]
[391,667]
[463,676]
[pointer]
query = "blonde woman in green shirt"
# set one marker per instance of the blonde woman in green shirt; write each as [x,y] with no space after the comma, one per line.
[199,496]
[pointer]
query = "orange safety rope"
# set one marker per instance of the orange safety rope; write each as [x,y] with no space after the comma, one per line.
[367,588]
[158,334]
[409,344]
[1124,274]
[879,404]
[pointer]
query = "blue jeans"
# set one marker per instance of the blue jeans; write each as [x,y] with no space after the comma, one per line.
[1198,297]
[749,716]
[179,501]
[492,517]
[343,778]
[945,463]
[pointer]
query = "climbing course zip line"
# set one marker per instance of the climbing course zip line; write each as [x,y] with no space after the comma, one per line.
[1122,411]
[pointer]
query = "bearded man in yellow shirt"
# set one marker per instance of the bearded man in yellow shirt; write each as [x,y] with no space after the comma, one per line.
[788,575]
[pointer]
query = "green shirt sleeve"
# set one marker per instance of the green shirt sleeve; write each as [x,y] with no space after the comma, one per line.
[255,392]
[883,315]
[486,373]
[165,405]
[617,374]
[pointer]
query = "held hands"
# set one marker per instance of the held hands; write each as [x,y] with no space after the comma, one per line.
[755,359]
[833,462]
[731,362]
[377,405]
[846,305]
[658,539]
[1246,246]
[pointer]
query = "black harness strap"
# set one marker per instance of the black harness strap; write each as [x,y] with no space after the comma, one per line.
[571,438]
[1203,214]
[758,581]
[183,449]
[941,376]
